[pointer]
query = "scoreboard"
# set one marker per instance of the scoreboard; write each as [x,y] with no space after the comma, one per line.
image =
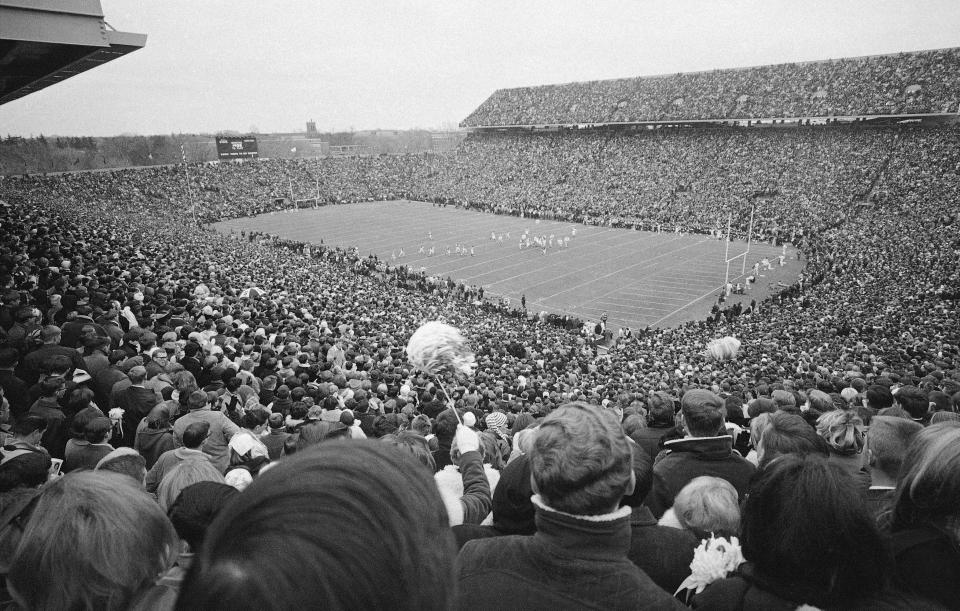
[236,147]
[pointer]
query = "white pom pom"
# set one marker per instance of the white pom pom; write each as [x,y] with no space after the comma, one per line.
[437,347]
[469,420]
[723,348]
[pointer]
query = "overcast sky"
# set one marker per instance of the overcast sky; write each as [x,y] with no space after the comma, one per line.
[234,65]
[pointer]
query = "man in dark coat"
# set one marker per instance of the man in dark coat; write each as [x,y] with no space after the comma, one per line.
[136,402]
[15,389]
[703,451]
[33,363]
[581,468]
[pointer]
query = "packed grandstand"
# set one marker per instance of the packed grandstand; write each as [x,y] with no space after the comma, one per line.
[114,281]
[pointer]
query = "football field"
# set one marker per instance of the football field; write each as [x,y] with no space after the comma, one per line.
[638,278]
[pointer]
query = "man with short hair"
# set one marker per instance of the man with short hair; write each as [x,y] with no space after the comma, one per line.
[34,362]
[136,401]
[193,437]
[221,429]
[125,461]
[15,389]
[704,450]
[48,408]
[913,401]
[886,444]
[581,466]
[26,433]
[876,398]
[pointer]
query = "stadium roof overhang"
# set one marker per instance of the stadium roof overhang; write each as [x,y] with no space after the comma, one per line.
[43,42]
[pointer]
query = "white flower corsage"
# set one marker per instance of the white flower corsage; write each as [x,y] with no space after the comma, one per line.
[714,559]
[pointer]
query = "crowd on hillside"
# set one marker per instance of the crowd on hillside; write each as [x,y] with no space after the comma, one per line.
[207,366]
[903,83]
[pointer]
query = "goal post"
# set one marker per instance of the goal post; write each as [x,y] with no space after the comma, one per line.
[743,255]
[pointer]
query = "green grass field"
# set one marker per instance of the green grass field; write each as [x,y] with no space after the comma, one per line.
[638,278]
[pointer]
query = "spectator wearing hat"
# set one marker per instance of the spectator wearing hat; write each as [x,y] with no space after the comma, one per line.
[704,450]
[220,432]
[581,468]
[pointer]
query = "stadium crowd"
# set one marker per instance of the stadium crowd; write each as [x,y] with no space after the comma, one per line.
[184,378]
[902,83]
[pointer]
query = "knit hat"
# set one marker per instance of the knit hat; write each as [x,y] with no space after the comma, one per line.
[513,513]
[497,421]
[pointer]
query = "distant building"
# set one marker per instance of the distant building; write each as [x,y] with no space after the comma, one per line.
[311,127]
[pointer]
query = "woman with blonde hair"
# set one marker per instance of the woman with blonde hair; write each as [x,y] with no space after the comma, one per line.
[844,432]
[94,541]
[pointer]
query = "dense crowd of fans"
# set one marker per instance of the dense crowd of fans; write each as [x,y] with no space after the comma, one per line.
[207,367]
[903,83]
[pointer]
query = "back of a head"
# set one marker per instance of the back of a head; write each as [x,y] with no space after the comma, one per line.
[513,512]
[23,468]
[702,412]
[195,433]
[887,442]
[708,505]
[415,444]
[914,401]
[786,433]
[785,400]
[821,401]
[125,461]
[805,526]
[879,397]
[581,461]
[196,507]
[345,525]
[661,410]
[842,430]
[184,474]
[928,493]
[94,541]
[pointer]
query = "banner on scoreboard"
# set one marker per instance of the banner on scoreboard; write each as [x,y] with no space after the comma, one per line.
[236,147]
